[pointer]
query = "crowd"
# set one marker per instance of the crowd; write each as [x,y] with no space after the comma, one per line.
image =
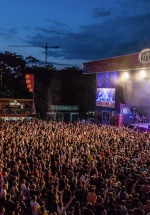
[139,118]
[77,168]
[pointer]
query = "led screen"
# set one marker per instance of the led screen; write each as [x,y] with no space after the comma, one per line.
[105,97]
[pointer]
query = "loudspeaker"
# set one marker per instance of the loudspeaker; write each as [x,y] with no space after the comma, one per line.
[120,94]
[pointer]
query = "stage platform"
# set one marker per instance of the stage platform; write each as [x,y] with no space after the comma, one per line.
[144,127]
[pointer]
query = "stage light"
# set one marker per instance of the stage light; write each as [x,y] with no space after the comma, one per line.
[125,76]
[142,74]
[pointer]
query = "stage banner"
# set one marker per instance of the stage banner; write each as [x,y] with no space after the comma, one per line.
[30,82]
[124,116]
[125,62]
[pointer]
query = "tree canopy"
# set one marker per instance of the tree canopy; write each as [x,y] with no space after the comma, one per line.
[56,87]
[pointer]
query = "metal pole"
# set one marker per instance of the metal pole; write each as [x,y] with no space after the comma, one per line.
[1,78]
[46,47]
[32,102]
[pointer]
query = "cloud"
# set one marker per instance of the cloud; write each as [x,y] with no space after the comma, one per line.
[54,27]
[101,12]
[9,32]
[134,6]
[113,36]
[12,31]
[27,28]
[48,30]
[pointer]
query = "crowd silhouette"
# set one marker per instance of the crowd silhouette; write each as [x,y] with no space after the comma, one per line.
[58,168]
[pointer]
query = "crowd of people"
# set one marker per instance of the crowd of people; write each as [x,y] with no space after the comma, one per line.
[58,168]
[139,118]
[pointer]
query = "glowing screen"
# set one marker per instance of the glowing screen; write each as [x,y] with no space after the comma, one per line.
[105,97]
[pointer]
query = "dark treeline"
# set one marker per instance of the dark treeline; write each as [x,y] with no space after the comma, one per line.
[68,86]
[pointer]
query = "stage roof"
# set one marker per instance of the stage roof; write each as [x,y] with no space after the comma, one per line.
[140,60]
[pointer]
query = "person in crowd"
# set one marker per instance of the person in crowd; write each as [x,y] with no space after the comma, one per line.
[61,209]
[138,209]
[91,196]
[99,208]
[9,205]
[35,207]
[146,207]
[77,208]
[87,210]
[2,211]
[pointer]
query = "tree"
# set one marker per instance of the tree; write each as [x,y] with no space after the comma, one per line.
[13,70]
[31,61]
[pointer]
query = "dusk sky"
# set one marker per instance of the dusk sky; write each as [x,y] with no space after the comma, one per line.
[85,30]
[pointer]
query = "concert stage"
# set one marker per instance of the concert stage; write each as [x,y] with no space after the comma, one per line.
[122,87]
[143,127]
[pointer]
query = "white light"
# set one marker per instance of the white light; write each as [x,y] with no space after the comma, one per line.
[125,76]
[142,74]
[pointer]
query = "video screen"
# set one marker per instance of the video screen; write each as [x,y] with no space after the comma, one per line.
[105,97]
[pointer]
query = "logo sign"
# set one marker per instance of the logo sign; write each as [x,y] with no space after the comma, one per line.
[14,103]
[144,56]
[125,111]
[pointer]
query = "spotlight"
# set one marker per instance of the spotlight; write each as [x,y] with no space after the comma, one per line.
[125,76]
[142,74]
